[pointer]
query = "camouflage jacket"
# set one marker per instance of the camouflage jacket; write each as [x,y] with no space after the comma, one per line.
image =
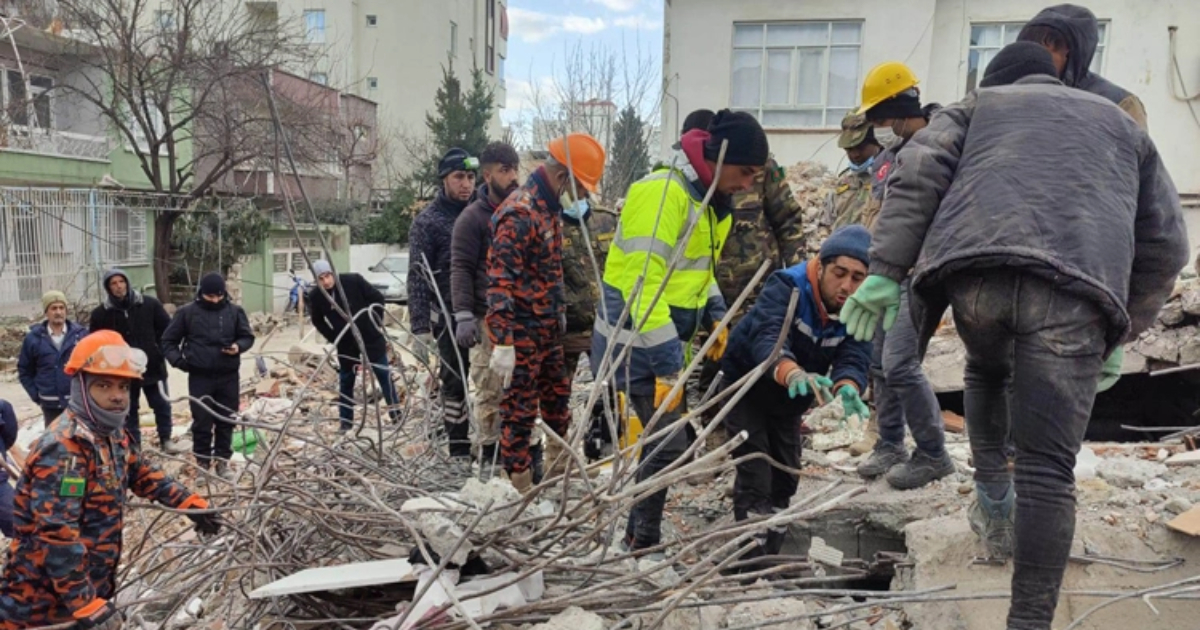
[768,224]
[69,512]
[525,270]
[851,201]
[579,277]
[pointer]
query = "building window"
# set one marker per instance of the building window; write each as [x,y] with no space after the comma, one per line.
[489,38]
[988,39]
[372,21]
[319,77]
[32,108]
[372,83]
[500,70]
[796,74]
[314,26]
[453,40]
[165,20]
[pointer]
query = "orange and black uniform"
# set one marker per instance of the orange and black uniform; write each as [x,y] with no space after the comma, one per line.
[526,306]
[69,515]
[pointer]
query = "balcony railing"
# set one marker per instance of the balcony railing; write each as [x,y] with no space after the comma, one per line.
[54,142]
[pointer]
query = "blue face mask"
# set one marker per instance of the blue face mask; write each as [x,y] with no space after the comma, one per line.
[862,168]
[576,210]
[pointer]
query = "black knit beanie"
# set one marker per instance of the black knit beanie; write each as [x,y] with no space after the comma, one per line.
[212,284]
[699,119]
[1018,60]
[747,140]
[455,159]
[906,104]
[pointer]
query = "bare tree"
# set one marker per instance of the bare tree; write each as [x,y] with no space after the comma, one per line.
[181,82]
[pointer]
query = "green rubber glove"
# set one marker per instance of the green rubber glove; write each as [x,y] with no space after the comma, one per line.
[852,404]
[878,296]
[797,381]
[1110,373]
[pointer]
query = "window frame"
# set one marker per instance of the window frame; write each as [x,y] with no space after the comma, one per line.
[453,39]
[320,78]
[372,83]
[764,48]
[489,38]
[164,25]
[34,93]
[1104,25]
[310,33]
[372,20]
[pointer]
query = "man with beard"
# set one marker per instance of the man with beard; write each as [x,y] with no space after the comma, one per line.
[815,345]
[430,304]
[44,353]
[469,284]
[141,320]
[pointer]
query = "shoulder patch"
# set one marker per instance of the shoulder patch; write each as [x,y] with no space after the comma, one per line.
[777,174]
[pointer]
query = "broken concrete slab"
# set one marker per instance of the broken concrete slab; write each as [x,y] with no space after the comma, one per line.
[339,577]
[442,534]
[692,617]
[1189,458]
[1128,472]
[769,612]
[573,618]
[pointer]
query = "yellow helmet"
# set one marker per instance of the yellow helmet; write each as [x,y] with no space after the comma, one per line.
[885,81]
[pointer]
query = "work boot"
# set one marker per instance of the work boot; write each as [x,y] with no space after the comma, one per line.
[882,459]
[555,459]
[522,481]
[870,438]
[920,470]
[993,521]
[224,471]
[538,460]
[168,447]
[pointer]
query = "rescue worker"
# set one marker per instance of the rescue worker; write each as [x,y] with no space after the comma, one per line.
[816,353]
[141,320]
[1071,34]
[1051,255]
[430,306]
[582,292]
[44,352]
[70,499]
[527,316]
[658,211]
[851,200]
[472,237]
[350,293]
[206,339]
[903,396]
[8,438]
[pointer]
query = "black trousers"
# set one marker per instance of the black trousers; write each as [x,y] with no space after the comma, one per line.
[212,431]
[158,402]
[453,370]
[50,414]
[773,429]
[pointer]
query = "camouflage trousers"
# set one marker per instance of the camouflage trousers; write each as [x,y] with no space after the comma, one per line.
[489,389]
[539,383]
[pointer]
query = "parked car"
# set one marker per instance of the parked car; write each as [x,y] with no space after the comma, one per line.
[390,276]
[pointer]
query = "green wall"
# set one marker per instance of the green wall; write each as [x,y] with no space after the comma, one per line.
[258,271]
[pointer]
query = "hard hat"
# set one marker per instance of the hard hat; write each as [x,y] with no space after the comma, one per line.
[587,157]
[105,352]
[885,81]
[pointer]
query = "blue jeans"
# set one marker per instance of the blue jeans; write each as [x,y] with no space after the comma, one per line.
[903,396]
[346,377]
[1034,356]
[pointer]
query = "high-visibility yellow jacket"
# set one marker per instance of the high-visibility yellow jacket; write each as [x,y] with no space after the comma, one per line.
[645,243]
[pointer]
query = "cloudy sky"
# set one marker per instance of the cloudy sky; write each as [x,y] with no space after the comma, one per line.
[542,31]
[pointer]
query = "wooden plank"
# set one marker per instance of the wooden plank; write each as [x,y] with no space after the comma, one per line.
[1187,523]
[1187,458]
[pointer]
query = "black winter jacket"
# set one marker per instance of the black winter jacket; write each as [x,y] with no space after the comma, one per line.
[141,320]
[330,323]
[469,253]
[200,330]
[429,240]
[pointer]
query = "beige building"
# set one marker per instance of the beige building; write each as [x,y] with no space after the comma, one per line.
[798,66]
[392,52]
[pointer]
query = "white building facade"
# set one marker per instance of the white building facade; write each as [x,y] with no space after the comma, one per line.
[798,65]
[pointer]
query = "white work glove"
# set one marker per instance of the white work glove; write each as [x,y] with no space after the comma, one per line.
[423,347]
[504,360]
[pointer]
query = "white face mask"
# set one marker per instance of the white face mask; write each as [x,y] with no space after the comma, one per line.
[885,136]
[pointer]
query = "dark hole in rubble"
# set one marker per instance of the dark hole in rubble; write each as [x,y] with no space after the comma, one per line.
[865,544]
[1170,400]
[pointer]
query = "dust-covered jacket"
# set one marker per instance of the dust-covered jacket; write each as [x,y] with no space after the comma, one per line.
[1038,177]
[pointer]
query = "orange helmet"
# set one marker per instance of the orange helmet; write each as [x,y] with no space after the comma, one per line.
[105,352]
[587,157]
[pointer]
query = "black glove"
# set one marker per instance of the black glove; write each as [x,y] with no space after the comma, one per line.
[207,524]
[104,618]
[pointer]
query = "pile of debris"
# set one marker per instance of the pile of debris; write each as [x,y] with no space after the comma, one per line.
[1175,340]
[813,187]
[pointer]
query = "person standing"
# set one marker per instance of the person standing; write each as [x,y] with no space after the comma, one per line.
[8,438]
[472,238]
[206,339]
[70,500]
[44,352]
[663,217]
[816,352]
[1051,255]
[1071,33]
[903,396]
[365,304]
[526,316]
[141,320]
[851,200]
[430,305]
